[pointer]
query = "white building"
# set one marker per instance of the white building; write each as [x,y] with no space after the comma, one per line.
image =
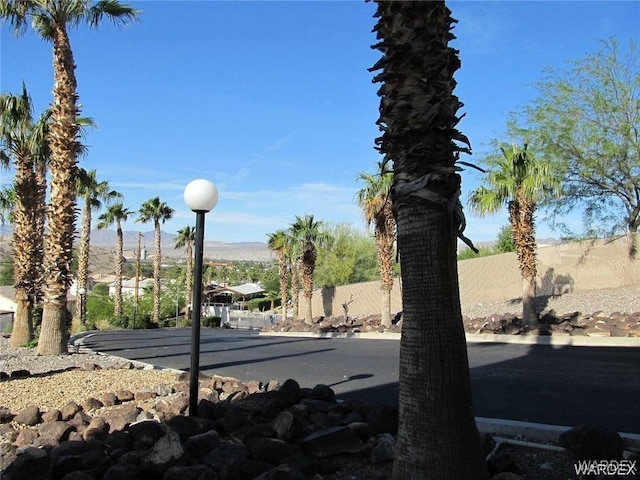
[129,287]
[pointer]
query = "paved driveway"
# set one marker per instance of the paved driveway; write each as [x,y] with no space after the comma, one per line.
[534,383]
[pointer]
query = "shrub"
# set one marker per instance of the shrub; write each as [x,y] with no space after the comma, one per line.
[100,289]
[260,304]
[211,321]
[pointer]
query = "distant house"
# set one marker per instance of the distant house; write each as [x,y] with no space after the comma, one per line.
[8,306]
[225,294]
[129,287]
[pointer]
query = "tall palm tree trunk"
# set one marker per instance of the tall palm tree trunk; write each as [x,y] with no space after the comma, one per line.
[284,287]
[434,373]
[25,251]
[117,298]
[521,216]
[437,436]
[384,243]
[61,214]
[83,265]
[308,265]
[157,259]
[295,289]
[40,217]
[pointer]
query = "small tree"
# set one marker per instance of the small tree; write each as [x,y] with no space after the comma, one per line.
[585,119]
[504,241]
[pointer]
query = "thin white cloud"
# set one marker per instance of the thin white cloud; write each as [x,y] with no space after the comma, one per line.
[279,144]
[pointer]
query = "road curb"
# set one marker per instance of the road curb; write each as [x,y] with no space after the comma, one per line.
[560,341]
[539,432]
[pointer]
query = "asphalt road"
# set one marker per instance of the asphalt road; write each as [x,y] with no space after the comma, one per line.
[533,383]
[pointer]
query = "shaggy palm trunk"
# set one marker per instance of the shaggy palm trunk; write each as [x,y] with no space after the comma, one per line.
[384,243]
[40,217]
[61,216]
[284,287]
[521,216]
[308,266]
[22,332]
[117,297]
[437,436]
[189,280]
[156,274]
[26,250]
[295,289]
[83,265]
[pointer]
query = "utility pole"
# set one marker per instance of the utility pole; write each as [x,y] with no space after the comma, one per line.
[137,282]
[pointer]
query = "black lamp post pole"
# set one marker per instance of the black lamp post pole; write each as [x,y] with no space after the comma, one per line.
[196,312]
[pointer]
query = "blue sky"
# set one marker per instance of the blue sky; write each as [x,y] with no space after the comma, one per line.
[272,101]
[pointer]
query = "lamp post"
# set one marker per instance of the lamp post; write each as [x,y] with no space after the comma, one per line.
[200,196]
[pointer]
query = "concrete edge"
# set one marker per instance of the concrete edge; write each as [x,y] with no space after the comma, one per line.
[568,341]
[485,338]
[366,335]
[539,432]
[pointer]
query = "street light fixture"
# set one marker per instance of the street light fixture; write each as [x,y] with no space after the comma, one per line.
[201,196]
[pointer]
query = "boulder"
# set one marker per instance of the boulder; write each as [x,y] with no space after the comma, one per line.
[592,442]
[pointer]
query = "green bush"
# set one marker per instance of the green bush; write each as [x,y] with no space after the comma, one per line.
[100,289]
[122,321]
[467,253]
[211,321]
[260,304]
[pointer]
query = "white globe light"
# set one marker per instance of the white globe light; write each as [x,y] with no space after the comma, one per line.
[201,195]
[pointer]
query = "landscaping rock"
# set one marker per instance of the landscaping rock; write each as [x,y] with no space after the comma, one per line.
[590,442]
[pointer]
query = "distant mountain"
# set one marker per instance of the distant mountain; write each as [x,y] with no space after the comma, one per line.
[240,251]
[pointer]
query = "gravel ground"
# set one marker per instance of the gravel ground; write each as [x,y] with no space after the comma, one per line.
[608,300]
[57,389]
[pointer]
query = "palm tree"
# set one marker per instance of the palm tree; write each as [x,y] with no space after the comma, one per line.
[23,142]
[51,20]
[518,181]
[116,214]
[93,193]
[307,233]
[375,201]
[186,239]
[437,435]
[159,212]
[279,242]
